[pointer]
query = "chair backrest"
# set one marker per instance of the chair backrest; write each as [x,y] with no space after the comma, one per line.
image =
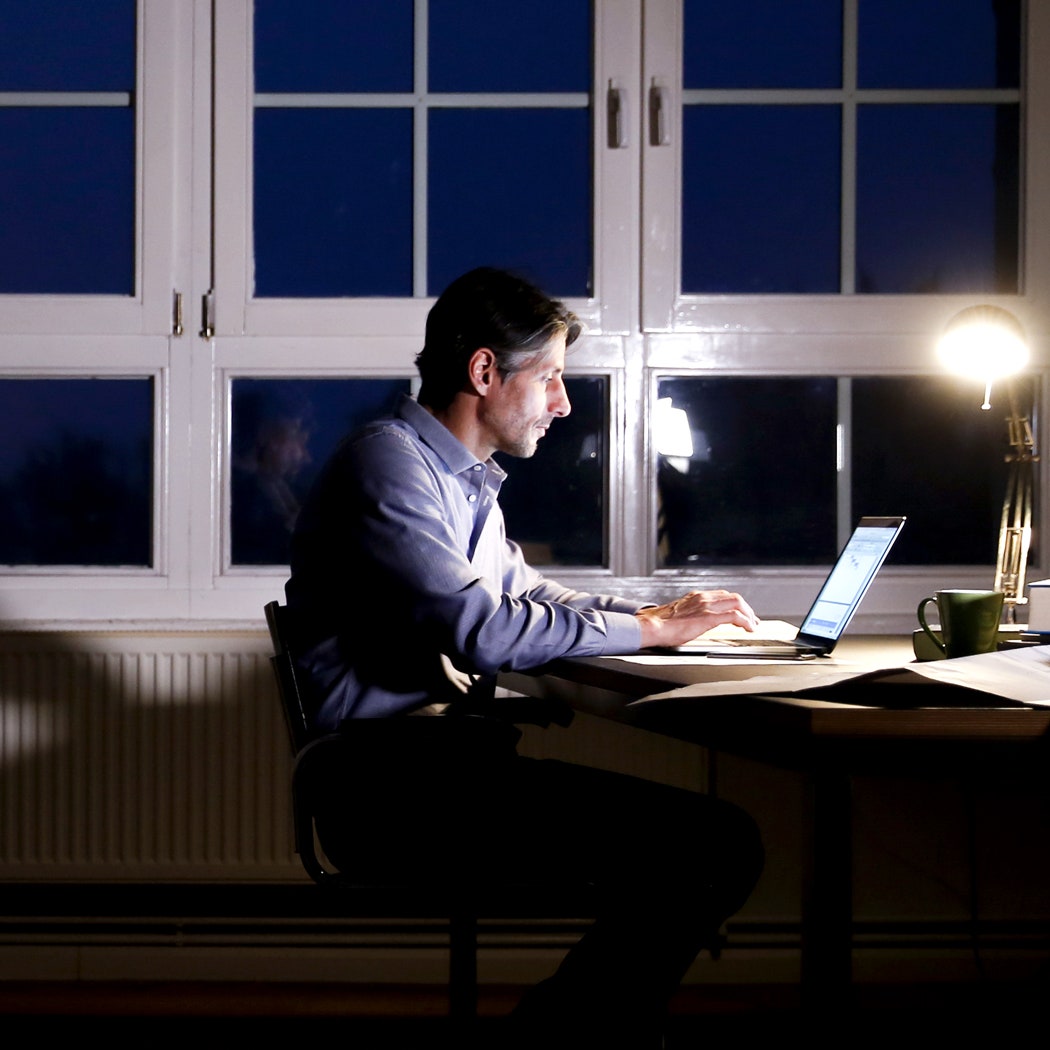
[283,662]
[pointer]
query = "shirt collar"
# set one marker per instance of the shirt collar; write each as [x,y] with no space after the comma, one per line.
[458,458]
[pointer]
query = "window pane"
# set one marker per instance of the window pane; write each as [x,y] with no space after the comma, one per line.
[494,201]
[760,199]
[763,44]
[937,199]
[67,177]
[333,202]
[554,502]
[318,45]
[941,464]
[67,45]
[478,45]
[939,43]
[759,486]
[67,173]
[76,471]
[283,431]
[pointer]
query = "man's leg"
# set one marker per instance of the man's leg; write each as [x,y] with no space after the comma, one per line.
[670,866]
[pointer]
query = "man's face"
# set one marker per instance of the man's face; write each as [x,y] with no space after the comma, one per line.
[518,410]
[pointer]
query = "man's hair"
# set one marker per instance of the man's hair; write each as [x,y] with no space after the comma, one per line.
[487,308]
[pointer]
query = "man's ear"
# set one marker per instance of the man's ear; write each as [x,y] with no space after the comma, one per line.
[482,370]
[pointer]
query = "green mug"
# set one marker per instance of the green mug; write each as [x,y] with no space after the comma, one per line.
[969,621]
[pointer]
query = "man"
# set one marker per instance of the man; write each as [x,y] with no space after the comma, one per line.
[409,598]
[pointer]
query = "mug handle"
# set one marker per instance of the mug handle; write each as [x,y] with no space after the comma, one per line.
[921,613]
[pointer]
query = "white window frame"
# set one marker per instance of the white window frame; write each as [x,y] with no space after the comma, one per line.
[194,206]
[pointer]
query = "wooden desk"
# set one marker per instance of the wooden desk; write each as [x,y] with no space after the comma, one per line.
[827,741]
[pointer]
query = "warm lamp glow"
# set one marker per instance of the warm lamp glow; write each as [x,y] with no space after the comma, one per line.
[985,343]
[988,343]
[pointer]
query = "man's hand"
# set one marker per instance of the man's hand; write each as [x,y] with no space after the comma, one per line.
[682,620]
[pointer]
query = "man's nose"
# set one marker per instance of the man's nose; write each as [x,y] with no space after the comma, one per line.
[559,404]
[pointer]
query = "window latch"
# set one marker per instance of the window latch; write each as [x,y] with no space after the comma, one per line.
[616,118]
[208,314]
[659,132]
[176,314]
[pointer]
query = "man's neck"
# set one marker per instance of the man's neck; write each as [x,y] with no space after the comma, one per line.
[460,419]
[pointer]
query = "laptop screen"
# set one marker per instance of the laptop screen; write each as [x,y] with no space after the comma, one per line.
[851,577]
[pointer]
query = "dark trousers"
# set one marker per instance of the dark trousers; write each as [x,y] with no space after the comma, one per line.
[668,866]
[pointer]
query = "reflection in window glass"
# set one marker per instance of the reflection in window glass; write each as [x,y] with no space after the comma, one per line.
[307,45]
[507,204]
[476,45]
[939,44]
[937,191]
[333,202]
[755,483]
[554,502]
[760,199]
[763,44]
[76,472]
[282,433]
[941,464]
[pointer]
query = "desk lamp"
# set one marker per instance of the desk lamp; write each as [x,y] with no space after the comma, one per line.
[988,343]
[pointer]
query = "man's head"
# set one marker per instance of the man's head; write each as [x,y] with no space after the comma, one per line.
[491,309]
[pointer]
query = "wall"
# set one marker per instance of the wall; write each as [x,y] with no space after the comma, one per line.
[134,755]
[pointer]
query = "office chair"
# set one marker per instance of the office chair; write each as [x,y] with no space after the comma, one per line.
[388,874]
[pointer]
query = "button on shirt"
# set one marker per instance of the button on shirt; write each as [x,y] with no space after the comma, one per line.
[401,568]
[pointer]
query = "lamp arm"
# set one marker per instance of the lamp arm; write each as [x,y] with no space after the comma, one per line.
[1015,527]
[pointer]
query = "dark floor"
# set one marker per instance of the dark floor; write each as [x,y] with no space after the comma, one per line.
[400,1018]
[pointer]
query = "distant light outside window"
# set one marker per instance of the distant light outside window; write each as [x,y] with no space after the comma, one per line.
[554,502]
[76,472]
[342,207]
[931,201]
[759,488]
[67,172]
[282,433]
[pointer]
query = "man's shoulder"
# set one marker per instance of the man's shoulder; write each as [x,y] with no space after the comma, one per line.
[388,432]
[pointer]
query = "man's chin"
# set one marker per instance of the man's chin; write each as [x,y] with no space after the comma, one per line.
[521,451]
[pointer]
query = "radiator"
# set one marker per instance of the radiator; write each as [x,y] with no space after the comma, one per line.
[145,755]
[126,755]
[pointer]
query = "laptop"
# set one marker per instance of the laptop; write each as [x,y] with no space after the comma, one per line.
[830,614]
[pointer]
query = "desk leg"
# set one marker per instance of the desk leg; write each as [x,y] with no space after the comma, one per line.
[827,890]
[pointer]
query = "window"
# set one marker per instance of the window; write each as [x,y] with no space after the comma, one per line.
[76,474]
[283,431]
[397,145]
[67,147]
[888,139]
[224,223]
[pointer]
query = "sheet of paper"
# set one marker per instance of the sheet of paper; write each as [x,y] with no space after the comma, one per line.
[1016,674]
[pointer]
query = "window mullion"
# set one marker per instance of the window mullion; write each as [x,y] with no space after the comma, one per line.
[848,216]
